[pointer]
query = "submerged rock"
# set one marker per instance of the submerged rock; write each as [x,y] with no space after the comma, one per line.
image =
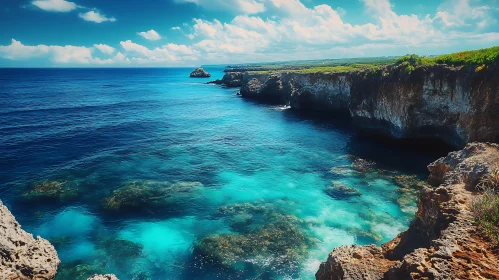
[53,191]
[104,277]
[140,195]
[22,256]
[78,270]
[200,73]
[280,243]
[409,181]
[265,237]
[119,248]
[363,165]
[339,191]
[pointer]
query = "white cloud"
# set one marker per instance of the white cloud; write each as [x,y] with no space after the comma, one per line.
[457,13]
[104,48]
[75,55]
[167,53]
[59,54]
[235,6]
[150,35]
[55,5]
[96,17]
[176,28]
[16,50]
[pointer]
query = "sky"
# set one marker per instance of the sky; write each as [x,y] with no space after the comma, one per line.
[172,33]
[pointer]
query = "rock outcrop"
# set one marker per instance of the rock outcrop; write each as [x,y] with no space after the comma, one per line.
[230,80]
[22,256]
[200,73]
[456,105]
[442,242]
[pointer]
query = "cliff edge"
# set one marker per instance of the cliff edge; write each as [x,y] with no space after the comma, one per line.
[442,242]
[457,105]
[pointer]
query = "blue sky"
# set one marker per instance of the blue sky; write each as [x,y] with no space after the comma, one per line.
[162,33]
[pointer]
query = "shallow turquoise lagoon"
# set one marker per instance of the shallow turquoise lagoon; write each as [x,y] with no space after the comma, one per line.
[148,174]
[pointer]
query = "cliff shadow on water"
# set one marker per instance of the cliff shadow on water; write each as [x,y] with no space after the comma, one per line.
[391,153]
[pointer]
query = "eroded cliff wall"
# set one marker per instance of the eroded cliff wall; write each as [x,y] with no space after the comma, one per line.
[442,242]
[456,105]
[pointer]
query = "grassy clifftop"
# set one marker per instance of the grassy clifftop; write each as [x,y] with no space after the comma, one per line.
[477,58]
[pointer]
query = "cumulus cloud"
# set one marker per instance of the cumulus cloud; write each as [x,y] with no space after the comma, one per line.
[55,5]
[457,13]
[176,28]
[59,54]
[95,16]
[235,6]
[167,53]
[150,35]
[104,48]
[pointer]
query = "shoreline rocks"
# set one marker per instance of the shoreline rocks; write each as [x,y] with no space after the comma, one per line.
[23,256]
[200,73]
[442,242]
[230,80]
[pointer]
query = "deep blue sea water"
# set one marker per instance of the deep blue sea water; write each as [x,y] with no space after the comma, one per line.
[230,167]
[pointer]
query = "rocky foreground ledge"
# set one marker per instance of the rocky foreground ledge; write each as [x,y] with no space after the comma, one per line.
[442,242]
[457,105]
[23,257]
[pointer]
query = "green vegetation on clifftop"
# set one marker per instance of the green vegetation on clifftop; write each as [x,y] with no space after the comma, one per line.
[477,58]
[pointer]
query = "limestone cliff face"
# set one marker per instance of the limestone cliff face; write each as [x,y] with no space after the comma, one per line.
[230,79]
[457,106]
[22,256]
[442,242]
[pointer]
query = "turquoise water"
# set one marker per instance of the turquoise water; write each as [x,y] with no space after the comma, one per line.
[148,174]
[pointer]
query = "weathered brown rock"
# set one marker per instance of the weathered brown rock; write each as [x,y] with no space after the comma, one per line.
[354,262]
[230,80]
[200,73]
[104,277]
[22,256]
[455,105]
[442,242]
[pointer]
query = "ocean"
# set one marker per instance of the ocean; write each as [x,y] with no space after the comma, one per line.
[149,174]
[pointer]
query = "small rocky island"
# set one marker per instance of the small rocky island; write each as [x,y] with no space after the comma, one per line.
[200,73]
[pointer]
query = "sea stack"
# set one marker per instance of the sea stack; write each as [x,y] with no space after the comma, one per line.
[200,73]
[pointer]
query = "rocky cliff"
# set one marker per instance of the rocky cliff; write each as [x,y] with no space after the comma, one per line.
[456,105]
[442,242]
[22,256]
[230,79]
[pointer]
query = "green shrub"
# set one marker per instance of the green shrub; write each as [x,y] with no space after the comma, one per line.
[410,59]
[485,206]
